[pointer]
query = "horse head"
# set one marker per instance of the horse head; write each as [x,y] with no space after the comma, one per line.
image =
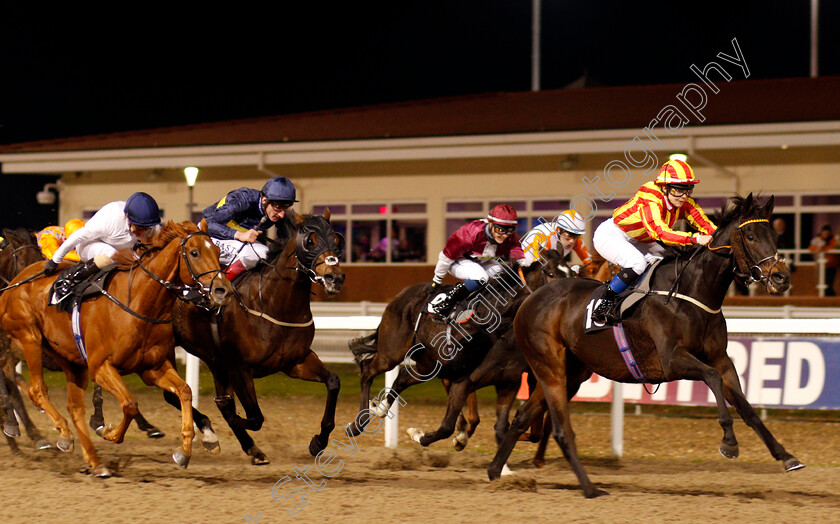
[200,271]
[318,248]
[746,226]
[550,266]
[20,249]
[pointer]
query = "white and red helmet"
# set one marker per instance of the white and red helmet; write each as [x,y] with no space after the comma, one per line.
[503,215]
[676,172]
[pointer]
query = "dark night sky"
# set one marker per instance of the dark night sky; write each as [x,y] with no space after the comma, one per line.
[148,69]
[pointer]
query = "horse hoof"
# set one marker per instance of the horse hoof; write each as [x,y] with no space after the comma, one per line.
[539,463]
[43,444]
[352,429]
[460,441]
[99,430]
[506,470]
[315,446]
[379,409]
[101,472]
[594,493]
[212,447]
[415,433]
[64,444]
[258,458]
[181,458]
[155,433]
[730,452]
[792,464]
[11,430]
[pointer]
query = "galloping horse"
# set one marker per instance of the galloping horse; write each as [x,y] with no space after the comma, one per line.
[487,357]
[672,337]
[126,331]
[270,330]
[19,250]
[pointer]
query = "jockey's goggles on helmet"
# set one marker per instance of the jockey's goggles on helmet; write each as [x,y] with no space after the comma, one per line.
[679,190]
[504,230]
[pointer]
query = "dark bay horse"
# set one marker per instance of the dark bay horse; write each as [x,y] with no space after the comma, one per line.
[671,338]
[19,249]
[128,331]
[487,356]
[270,330]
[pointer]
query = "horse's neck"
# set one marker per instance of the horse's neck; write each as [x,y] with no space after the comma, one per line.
[164,265]
[280,289]
[706,278]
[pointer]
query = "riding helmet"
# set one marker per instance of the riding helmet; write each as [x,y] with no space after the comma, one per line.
[279,188]
[503,215]
[570,221]
[676,172]
[142,210]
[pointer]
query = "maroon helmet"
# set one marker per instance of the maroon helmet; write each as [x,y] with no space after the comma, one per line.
[503,215]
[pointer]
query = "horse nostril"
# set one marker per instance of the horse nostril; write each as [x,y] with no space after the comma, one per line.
[219,291]
[780,278]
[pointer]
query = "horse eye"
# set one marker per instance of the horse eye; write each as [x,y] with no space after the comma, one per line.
[750,238]
[194,253]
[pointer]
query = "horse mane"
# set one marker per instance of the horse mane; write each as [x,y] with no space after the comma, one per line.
[286,231]
[125,258]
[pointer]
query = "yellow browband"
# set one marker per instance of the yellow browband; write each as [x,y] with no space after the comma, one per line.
[753,221]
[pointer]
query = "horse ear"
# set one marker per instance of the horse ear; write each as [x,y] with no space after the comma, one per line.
[748,202]
[203,225]
[768,206]
[293,217]
[327,214]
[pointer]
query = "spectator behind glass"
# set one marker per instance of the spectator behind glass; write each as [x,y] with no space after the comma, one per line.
[784,241]
[820,244]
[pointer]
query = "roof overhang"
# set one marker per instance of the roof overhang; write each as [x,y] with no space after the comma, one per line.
[702,138]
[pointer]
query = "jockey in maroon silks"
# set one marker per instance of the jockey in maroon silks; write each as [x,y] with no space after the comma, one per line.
[471,254]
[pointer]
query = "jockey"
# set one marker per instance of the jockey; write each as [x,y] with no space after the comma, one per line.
[235,222]
[51,237]
[116,226]
[470,254]
[563,234]
[641,226]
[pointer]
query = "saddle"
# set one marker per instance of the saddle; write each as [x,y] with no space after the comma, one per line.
[460,312]
[624,302]
[91,287]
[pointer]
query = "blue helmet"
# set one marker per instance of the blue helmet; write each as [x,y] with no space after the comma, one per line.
[279,188]
[142,210]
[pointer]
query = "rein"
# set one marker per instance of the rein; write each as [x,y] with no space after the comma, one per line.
[754,272]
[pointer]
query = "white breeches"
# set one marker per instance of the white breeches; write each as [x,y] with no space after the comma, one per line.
[619,248]
[90,250]
[466,269]
[233,250]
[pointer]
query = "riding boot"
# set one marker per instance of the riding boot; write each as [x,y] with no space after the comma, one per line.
[79,273]
[440,306]
[625,278]
[234,270]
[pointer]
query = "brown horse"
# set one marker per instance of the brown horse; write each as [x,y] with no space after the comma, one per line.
[487,357]
[128,330]
[672,338]
[270,330]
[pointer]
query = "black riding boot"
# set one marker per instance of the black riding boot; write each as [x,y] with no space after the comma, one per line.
[442,303]
[624,279]
[80,272]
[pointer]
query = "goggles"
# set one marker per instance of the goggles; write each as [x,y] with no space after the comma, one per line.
[504,230]
[678,192]
[565,234]
[280,205]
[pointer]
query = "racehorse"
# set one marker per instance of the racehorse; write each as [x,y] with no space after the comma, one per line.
[271,329]
[681,335]
[599,269]
[487,357]
[126,331]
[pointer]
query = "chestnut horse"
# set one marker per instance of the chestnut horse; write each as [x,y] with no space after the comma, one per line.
[487,357]
[129,330]
[271,329]
[672,337]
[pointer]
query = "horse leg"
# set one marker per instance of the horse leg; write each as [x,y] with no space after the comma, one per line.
[369,370]
[31,430]
[10,424]
[735,396]
[147,427]
[684,365]
[208,437]
[545,435]
[526,412]
[97,418]
[167,379]
[457,398]
[112,382]
[504,400]
[226,404]
[76,385]
[573,381]
[39,395]
[314,370]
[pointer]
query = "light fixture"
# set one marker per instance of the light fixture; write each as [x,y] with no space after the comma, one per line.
[784,146]
[678,156]
[47,197]
[191,174]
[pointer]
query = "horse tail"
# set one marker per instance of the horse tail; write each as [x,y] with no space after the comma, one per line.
[364,348]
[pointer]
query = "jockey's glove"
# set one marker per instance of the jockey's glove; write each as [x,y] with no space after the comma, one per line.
[434,288]
[50,267]
[575,269]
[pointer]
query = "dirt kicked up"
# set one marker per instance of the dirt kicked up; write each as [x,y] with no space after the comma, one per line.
[671,472]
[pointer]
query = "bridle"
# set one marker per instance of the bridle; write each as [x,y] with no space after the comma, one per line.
[753,271]
[14,256]
[328,240]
